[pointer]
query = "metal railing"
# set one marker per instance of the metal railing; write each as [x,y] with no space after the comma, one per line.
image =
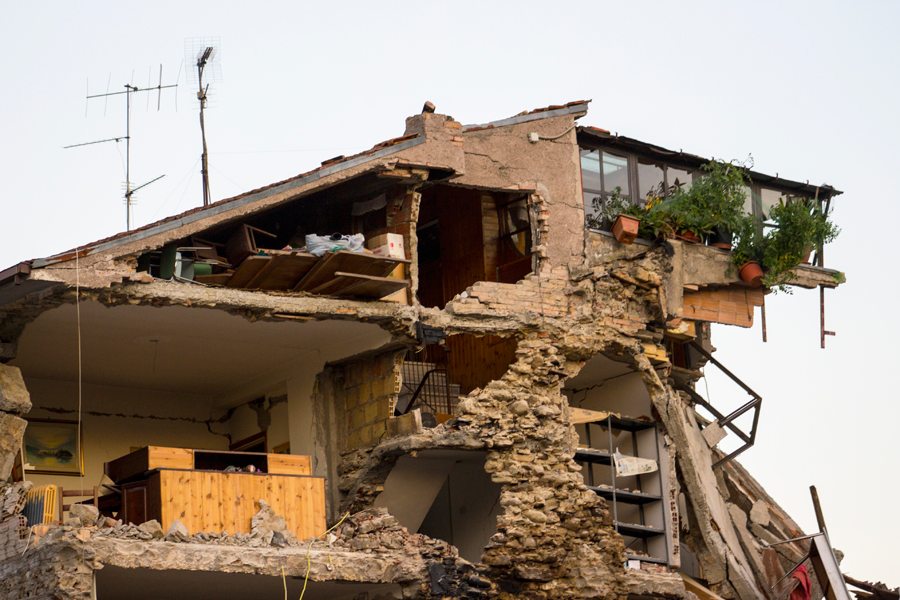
[728,421]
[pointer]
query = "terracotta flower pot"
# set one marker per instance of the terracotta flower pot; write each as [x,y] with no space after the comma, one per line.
[752,273]
[689,236]
[625,229]
[721,238]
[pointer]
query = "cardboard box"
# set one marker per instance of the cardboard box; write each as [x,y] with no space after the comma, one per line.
[387,244]
[401,296]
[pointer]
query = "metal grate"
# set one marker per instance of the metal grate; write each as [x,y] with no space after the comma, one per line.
[427,383]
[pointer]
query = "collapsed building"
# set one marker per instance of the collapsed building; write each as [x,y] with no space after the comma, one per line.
[445,416]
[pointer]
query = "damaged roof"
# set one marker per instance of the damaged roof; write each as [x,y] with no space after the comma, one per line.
[594,135]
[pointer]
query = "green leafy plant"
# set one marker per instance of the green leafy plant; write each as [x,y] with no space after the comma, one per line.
[799,225]
[616,204]
[714,200]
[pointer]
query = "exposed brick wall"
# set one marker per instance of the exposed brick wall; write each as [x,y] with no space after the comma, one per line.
[550,294]
[731,305]
[370,387]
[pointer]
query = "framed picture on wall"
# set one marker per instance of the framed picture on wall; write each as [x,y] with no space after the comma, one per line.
[52,447]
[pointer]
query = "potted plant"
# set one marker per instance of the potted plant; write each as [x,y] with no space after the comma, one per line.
[619,214]
[714,203]
[800,225]
[748,251]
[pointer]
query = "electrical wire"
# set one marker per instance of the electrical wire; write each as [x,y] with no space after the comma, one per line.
[309,551]
[556,137]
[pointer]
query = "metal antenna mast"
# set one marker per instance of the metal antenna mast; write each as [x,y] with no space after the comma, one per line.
[204,52]
[129,90]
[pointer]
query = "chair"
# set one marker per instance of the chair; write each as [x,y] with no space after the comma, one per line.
[63,494]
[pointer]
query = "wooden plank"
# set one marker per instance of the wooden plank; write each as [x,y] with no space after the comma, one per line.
[268,268]
[167,499]
[702,592]
[128,466]
[289,464]
[289,270]
[369,286]
[247,271]
[216,279]
[583,415]
[226,501]
[348,262]
[173,458]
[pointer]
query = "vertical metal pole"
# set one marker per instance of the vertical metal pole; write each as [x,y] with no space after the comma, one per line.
[590,465]
[820,518]
[822,315]
[612,461]
[666,509]
[204,171]
[128,158]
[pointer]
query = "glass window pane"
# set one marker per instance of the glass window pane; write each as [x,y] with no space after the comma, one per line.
[516,216]
[748,200]
[592,208]
[590,170]
[769,199]
[650,180]
[615,173]
[678,179]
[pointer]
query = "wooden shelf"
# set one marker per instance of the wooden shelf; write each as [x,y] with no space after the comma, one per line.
[636,498]
[649,559]
[638,531]
[589,455]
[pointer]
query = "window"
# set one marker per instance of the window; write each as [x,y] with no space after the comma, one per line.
[514,257]
[603,171]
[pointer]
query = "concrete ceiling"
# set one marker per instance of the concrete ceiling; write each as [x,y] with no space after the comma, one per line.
[117,583]
[598,369]
[173,348]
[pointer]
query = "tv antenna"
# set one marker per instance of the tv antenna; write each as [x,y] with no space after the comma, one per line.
[203,53]
[129,91]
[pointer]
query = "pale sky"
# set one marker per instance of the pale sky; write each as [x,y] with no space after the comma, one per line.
[809,89]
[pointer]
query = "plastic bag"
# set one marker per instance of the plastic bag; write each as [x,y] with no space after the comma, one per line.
[319,245]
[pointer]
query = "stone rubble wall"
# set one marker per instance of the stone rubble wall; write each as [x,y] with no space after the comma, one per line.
[14,402]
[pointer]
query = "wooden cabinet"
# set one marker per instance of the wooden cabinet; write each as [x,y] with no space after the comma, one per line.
[192,486]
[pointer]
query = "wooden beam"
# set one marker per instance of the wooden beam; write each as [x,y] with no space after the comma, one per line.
[583,415]
[702,592]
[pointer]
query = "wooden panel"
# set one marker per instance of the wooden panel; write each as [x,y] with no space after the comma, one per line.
[476,361]
[288,270]
[247,271]
[135,502]
[348,262]
[458,212]
[173,458]
[363,286]
[209,501]
[133,466]
[289,464]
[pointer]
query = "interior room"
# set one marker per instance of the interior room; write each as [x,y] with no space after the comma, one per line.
[616,418]
[171,377]
[445,494]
